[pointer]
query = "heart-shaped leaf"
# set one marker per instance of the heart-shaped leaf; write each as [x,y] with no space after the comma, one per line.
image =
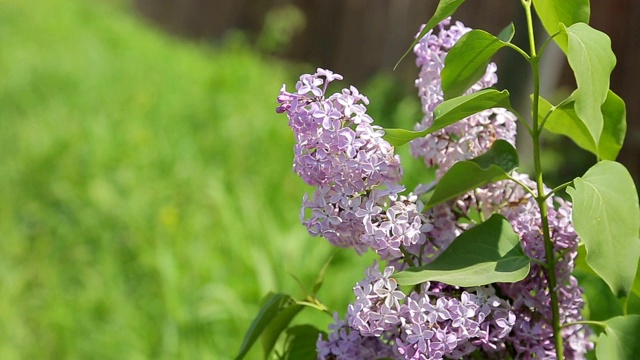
[277,325]
[399,137]
[492,166]
[302,342]
[592,60]
[487,253]
[606,216]
[600,302]
[553,12]
[452,111]
[564,121]
[467,60]
[620,339]
[273,307]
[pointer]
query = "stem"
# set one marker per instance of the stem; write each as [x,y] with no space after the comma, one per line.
[407,256]
[532,43]
[547,42]
[544,120]
[523,185]
[541,263]
[587,322]
[540,197]
[522,120]
[519,51]
[558,188]
[316,304]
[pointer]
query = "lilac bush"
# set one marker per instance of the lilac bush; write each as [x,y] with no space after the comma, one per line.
[358,204]
[480,262]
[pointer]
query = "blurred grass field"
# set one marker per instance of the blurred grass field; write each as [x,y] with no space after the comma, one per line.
[146,195]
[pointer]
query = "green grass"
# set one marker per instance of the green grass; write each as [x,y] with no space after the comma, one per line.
[146,195]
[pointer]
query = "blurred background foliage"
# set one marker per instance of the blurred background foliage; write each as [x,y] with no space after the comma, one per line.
[146,195]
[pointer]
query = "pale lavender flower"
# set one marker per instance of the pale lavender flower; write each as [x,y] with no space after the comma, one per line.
[377,305]
[467,138]
[529,328]
[532,335]
[354,170]
[344,343]
[448,322]
[438,321]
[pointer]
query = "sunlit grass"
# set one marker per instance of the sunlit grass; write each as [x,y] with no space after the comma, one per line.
[146,195]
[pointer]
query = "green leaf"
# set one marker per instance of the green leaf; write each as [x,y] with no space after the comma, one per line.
[636,283]
[607,218]
[564,121]
[600,303]
[445,9]
[592,60]
[619,340]
[399,137]
[323,271]
[632,305]
[506,34]
[487,253]
[302,342]
[615,127]
[272,306]
[313,303]
[467,60]
[492,166]
[456,109]
[553,12]
[277,325]
[452,111]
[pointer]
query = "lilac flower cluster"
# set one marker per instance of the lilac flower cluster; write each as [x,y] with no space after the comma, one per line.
[346,343]
[358,203]
[438,321]
[532,336]
[355,171]
[467,138]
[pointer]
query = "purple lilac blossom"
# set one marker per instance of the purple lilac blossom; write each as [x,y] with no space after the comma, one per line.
[451,322]
[443,228]
[469,137]
[357,202]
[532,336]
[437,321]
[345,343]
